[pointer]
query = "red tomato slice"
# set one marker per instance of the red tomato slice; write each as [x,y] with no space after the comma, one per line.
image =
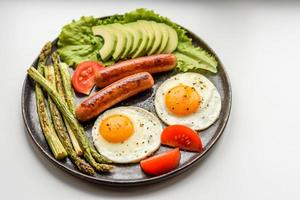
[84,75]
[182,137]
[161,163]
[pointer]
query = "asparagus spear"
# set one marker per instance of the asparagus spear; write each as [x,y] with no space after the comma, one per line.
[61,105]
[55,145]
[66,80]
[63,93]
[61,129]
[69,94]
[58,79]
[46,50]
[73,138]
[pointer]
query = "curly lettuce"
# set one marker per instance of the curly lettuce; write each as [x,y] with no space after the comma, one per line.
[186,63]
[77,43]
[193,58]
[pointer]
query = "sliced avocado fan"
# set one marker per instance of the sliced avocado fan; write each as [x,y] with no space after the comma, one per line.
[135,39]
[109,38]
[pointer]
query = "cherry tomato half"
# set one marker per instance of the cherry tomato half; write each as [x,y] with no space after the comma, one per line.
[181,136]
[161,163]
[83,79]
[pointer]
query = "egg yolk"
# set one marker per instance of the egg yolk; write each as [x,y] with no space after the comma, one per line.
[116,128]
[182,100]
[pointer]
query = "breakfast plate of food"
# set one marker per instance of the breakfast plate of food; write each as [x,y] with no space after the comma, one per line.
[126,99]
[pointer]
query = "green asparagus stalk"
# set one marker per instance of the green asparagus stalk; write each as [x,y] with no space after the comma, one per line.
[62,106]
[73,138]
[64,94]
[61,129]
[69,94]
[58,79]
[56,147]
[46,50]
[66,80]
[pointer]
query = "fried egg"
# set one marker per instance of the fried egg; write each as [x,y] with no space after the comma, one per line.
[127,134]
[189,99]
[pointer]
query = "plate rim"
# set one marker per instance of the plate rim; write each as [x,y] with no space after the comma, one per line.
[148,180]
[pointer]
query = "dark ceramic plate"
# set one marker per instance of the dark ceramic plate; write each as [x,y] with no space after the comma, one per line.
[131,174]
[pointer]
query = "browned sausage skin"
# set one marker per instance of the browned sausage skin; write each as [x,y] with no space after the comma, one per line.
[151,64]
[113,94]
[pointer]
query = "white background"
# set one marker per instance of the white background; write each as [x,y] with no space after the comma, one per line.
[258,155]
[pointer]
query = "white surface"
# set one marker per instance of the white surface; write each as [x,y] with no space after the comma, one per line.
[258,155]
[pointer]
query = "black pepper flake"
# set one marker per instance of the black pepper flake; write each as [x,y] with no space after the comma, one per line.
[141,125]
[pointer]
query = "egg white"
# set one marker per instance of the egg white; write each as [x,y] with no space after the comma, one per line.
[208,111]
[143,142]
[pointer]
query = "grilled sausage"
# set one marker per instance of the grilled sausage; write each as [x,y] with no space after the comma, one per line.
[113,94]
[151,64]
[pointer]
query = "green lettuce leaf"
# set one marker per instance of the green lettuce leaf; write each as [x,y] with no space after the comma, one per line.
[77,43]
[186,63]
[189,56]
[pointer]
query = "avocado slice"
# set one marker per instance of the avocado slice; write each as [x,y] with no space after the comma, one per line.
[157,38]
[172,41]
[147,26]
[137,36]
[130,38]
[110,41]
[145,39]
[121,40]
[165,37]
